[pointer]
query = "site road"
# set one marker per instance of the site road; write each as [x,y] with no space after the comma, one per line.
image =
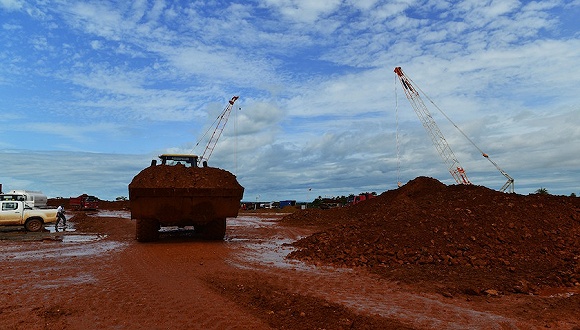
[96,276]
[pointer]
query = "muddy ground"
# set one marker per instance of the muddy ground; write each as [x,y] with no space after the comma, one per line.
[96,276]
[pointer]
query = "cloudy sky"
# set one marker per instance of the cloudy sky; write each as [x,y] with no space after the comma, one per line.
[91,91]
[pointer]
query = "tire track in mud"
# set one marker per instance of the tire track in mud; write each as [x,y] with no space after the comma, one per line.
[135,286]
[158,285]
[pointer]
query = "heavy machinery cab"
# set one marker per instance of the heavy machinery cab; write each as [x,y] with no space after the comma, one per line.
[175,159]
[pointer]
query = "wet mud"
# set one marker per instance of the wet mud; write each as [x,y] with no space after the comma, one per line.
[108,280]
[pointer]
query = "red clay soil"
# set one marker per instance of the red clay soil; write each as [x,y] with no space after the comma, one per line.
[178,283]
[424,256]
[179,176]
[459,239]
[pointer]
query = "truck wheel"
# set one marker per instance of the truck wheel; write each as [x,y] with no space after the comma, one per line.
[146,230]
[215,230]
[33,225]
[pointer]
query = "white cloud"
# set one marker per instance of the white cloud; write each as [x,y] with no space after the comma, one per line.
[68,174]
[316,86]
[11,5]
[304,10]
[96,44]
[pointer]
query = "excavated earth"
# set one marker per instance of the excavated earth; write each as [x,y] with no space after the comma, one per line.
[180,176]
[456,239]
[424,256]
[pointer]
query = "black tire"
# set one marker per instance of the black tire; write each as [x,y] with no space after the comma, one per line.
[146,230]
[34,225]
[214,230]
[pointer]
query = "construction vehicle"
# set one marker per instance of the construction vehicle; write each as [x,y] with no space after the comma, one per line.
[19,213]
[33,199]
[178,196]
[352,199]
[84,202]
[184,191]
[443,148]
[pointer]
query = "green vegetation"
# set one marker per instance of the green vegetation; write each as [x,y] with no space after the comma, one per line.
[542,191]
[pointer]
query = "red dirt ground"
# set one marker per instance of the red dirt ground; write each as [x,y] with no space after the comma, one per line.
[424,256]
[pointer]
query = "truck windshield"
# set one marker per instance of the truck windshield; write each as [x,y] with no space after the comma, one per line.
[186,160]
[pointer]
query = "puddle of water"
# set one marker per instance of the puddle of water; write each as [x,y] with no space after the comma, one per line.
[61,250]
[253,221]
[51,229]
[271,252]
[82,238]
[559,292]
[236,239]
[114,214]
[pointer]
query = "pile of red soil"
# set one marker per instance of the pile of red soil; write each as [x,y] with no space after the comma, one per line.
[114,205]
[179,176]
[103,205]
[460,238]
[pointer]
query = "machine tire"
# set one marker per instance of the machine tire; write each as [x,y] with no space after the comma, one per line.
[34,225]
[146,230]
[214,230]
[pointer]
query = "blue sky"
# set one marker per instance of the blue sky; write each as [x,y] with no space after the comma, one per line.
[91,91]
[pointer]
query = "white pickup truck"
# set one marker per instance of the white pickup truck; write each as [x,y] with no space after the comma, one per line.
[17,213]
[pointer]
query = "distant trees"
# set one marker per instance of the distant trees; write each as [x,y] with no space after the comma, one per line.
[321,202]
[544,191]
[541,191]
[324,202]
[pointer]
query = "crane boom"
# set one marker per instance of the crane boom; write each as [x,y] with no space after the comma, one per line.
[509,185]
[222,120]
[457,172]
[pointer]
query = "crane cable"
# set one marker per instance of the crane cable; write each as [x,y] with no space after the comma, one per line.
[446,117]
[208,130]
[397,135]
[236,140]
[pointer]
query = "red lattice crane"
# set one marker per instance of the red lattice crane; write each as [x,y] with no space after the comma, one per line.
[457,172]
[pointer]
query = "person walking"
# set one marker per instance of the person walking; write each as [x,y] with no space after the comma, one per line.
[60,216]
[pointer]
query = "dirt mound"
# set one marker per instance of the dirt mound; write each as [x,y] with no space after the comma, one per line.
[179,176]
[114,205]
[460,238]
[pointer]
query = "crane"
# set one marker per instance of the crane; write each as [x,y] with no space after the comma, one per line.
[457,172]
[221,120]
